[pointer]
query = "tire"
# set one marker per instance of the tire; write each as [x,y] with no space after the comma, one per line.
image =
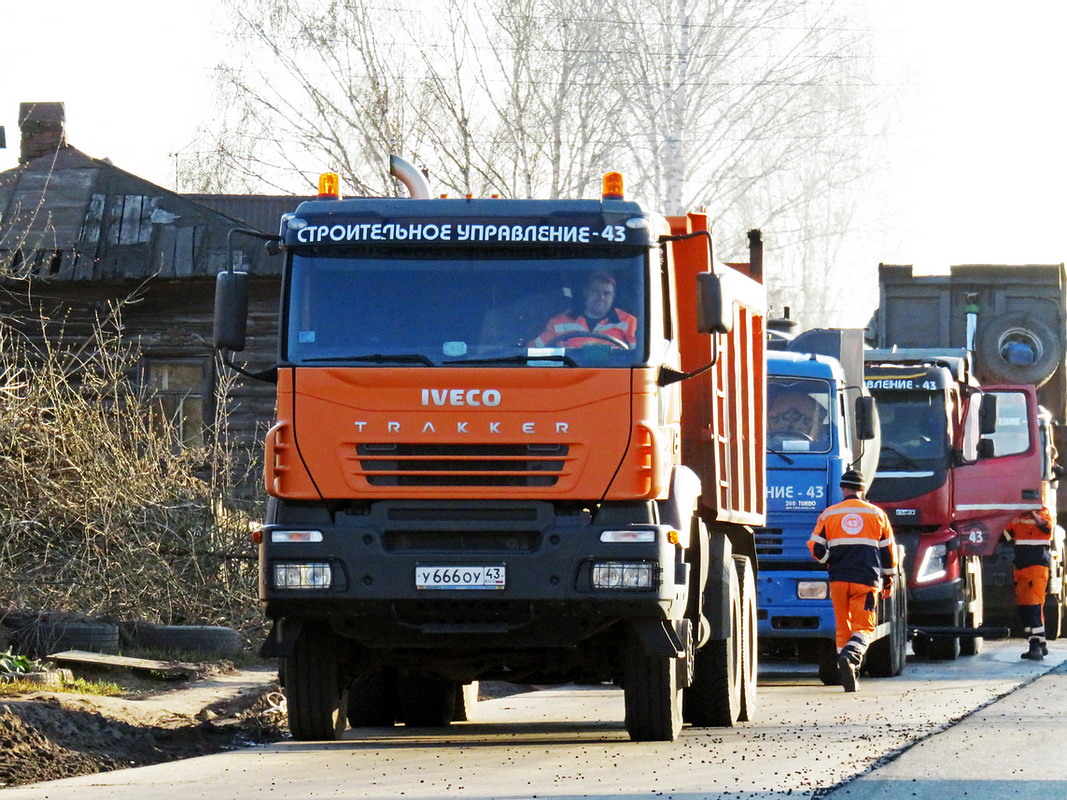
[316,697]
[54,636]
[714,698]
[1053,612]
[466,701]
[214,640]
[887,656]
[946,648]
[425,702]
[372,701]
[829,673]
[972,645]
[1020,326]
[652,695]
[749,644]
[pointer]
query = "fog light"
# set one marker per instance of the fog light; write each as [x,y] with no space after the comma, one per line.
[302,576]
[628,536]
[622,575]
[813,590]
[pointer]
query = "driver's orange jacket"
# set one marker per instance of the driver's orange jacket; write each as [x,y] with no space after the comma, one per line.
[617,324]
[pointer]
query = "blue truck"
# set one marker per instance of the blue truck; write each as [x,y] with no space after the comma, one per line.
[821,421]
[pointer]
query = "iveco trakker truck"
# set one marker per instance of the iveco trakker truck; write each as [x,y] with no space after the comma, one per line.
[473,475]
[821,422]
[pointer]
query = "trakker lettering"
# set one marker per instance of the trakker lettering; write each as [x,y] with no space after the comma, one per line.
[460,397]
[462,427]
[457,232]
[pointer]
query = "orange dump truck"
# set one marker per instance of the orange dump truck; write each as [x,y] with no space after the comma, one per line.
[516,440]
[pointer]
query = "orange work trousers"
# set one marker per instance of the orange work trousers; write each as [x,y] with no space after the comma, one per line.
[855,611]
[1031,584]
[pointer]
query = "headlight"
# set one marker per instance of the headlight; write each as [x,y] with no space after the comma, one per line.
[934,564]
[302,576]
[813,590]
[623,575]
[278,537]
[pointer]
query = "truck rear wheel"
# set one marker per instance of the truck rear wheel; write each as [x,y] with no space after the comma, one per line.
[887,656]
[426,702]
[316,698]
[1053,617]
[749,644]
[653,697]
[372,700]
[714,699]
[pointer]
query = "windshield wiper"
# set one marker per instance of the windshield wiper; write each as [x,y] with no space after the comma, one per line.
[378,358]
[782,456]
[903,460]
[514,360]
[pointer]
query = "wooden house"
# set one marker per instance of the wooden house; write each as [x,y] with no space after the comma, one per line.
[79,234]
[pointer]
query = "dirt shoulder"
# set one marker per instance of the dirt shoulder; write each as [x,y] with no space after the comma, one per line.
[49,735]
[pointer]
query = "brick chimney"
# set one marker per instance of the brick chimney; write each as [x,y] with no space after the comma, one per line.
[42,126]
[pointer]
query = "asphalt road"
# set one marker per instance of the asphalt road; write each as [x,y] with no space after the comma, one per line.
[943,728]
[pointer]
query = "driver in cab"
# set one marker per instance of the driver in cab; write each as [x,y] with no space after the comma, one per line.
[598,322]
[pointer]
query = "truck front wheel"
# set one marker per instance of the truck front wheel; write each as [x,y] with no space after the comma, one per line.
[316,697]
[652,695]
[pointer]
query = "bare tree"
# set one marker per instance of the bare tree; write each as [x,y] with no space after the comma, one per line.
[754,110]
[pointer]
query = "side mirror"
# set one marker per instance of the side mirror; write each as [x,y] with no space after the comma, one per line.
[231,310]
[987,415]
[715,308]
[865,422]
[986,449]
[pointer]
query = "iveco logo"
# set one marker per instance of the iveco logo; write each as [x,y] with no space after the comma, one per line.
[460,397]
[906,512]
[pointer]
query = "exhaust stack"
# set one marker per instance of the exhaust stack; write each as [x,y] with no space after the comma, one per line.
[409,175]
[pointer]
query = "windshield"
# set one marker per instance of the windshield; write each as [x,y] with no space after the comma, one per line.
[798,415]
[493,307]
[914,430]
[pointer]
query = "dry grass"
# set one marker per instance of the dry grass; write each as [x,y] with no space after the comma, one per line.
[103,510]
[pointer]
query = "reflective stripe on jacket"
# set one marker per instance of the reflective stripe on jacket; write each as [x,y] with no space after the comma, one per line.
[1032,532]
[855,540]
[618,324]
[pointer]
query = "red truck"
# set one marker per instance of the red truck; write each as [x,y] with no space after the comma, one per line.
[966,442]
[453,498]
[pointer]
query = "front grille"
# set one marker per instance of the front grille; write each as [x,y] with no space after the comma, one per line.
[437,541]
[769,541]
[533,465]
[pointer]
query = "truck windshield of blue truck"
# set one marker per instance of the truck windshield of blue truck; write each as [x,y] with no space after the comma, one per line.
[492,307]
[798,415]
[914,431]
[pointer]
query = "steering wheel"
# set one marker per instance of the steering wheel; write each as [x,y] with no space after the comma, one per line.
[618,343]
[790,435]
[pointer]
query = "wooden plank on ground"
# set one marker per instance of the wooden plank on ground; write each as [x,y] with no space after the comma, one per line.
[164,670]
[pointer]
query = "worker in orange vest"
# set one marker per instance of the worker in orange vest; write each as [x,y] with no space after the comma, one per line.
[1032,533]
[855,540]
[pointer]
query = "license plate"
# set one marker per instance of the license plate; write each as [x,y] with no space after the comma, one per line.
[461,577]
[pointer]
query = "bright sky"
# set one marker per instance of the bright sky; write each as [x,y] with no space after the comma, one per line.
[978,160]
